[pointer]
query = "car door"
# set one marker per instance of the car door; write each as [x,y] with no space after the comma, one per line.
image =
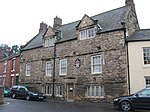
[142,99]
[22,92]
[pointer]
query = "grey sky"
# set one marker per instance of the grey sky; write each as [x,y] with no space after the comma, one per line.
[20,19]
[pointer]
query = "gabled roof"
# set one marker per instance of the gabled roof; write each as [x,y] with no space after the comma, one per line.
[140,35]
[109,20]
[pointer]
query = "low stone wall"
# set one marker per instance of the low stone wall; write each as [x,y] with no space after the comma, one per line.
[1,95]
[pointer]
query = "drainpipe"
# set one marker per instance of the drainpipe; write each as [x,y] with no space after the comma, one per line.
[53,89]
[126,43]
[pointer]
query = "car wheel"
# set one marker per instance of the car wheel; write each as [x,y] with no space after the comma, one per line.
[125,106]
[14,96]
[27,97]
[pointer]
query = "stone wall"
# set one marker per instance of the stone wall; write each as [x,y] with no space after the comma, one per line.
[1,95]
[37,59]
[112,49]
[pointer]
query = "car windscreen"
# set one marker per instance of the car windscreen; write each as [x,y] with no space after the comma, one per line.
[32,89]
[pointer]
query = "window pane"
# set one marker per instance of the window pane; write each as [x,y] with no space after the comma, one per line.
[97,90]
[93,90]
[96,68]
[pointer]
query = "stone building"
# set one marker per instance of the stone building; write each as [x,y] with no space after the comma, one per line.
[82,60]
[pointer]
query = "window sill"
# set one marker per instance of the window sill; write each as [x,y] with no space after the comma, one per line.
[48,75]
[62,75]
[59,96]
[146,66]
[28,75]
[12,70]
[96,74]
[100,97]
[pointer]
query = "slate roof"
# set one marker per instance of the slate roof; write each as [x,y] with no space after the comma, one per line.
[109,20]
[35,42]
[140,35]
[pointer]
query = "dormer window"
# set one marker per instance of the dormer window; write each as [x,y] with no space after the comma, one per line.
[49,42]
[87,34]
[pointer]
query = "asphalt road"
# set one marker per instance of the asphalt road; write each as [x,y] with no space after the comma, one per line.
[18,105]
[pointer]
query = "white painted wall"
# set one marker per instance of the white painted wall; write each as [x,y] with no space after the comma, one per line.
[136,65]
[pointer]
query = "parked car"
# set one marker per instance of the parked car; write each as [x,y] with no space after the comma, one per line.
[6,92]
[26,92]
[139,100]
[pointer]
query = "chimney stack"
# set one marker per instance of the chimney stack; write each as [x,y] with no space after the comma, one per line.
[43,27]
[57,22]
[129,3]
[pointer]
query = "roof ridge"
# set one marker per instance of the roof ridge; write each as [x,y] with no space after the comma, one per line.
[108,11]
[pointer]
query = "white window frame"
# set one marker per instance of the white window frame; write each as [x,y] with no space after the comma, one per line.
[59,91]
[63,62]
[49,70]
[87,34]
[5,67]
[4,81]
[99,64]
[95,91]
[147,81]
[146,56]
[13,64]
[28,70]
[49,42]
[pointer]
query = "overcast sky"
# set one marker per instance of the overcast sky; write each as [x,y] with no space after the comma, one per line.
[20,19]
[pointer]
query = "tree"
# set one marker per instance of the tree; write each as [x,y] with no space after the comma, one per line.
[6,51]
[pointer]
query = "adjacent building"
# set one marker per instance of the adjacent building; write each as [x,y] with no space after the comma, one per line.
[139,59]
[82,60]
[9,70]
